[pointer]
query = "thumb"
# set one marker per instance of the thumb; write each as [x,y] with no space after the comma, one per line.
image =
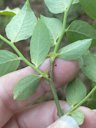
[65,122]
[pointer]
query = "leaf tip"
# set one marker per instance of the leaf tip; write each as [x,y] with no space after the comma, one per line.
[89,39]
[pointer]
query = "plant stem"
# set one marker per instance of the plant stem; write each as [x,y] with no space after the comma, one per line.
[54,93]
[53,89]
[51,68]
[51,82]
[22,57]
[64,28]
[63,32]
[83,101]
[52,85]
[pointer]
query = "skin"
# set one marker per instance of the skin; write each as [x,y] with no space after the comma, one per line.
[18,114]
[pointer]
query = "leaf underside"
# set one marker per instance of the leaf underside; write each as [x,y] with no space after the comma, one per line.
[8,62]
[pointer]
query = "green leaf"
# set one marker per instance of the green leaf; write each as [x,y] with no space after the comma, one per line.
[40,43]
[58,6]
[22,25]
[26,87]
[75,50]
[91,101]
[74,13]
[55,27]
[89,7]
[8,62]
[79,30]
[76,1]
[9,12]
[89,66]
[78,116]
[75,92]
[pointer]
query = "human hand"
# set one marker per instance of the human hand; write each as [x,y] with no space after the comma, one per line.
[13,114]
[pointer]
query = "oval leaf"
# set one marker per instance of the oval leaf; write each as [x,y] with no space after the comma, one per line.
[75,50]
[54,25]
[40,43]
[26,87]
[22,25]
[89,66]
[79,30]
[75,92]
[8,62]
[89,7]
[58,6]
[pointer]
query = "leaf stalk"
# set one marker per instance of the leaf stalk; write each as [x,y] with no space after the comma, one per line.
[22,57]
[82,102]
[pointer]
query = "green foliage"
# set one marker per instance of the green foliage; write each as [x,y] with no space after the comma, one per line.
[78,116]
[58,6]
[89,66]
[91,101]
[22,25]
[47,34]
[26,87]
[8,62]
[9,12]
[41,43]
[75,92]
[75,50]
[80,30]
[74,13]
[55,27]
[89,7]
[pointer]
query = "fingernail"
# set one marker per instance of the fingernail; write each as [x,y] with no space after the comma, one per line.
[65,122]
[94,110]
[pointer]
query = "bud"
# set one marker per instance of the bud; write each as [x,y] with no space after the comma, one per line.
[65,122]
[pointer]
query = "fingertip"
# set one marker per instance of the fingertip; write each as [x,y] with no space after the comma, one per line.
[40,116]
[90,118]
[65,71]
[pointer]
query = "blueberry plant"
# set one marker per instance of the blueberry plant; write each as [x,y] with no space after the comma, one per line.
[47,34]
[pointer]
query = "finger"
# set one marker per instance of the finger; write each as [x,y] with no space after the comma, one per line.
[11,124]
[67,69]
[63,71]
[45,114]
[7,104]
[90,120]
[38,117]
